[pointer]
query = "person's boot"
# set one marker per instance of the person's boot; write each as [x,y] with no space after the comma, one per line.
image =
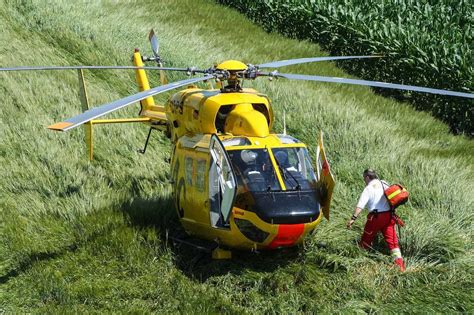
[399,262]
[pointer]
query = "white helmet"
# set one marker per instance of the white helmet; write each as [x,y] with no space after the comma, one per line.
[248,156]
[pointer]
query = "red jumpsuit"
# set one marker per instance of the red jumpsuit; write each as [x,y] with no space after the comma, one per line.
[379,219]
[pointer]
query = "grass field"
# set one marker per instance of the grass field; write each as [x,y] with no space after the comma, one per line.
[90,237]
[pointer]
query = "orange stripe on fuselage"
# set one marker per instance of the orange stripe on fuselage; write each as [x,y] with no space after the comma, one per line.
[287,235]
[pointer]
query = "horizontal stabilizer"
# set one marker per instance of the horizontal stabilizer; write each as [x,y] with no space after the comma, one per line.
[59,126]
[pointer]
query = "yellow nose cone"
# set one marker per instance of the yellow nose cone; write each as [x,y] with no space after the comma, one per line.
[232,65]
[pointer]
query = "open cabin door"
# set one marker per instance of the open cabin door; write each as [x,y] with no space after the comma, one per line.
[223,184]
[325,183]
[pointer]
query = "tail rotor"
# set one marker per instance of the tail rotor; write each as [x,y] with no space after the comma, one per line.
[155,47]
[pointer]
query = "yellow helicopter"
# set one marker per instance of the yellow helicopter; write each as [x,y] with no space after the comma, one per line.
[236,182]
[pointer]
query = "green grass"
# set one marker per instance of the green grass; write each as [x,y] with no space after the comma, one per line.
[80,236]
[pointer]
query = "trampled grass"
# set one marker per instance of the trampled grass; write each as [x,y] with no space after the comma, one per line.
[80,236]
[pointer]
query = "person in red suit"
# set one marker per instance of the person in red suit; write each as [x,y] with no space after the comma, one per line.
[380,218]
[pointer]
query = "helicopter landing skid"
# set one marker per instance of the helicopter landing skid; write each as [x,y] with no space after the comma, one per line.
[202,245]
[219,253]
[208,247]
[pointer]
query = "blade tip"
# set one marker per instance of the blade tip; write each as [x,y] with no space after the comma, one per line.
[60,126]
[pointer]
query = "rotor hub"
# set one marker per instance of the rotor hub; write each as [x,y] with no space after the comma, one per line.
[231,65]
[233,70]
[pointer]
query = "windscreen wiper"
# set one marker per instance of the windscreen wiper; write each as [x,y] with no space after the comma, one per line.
[286,172]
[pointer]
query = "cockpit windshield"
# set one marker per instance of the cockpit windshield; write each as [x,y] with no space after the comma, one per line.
[254,169]
[295,168]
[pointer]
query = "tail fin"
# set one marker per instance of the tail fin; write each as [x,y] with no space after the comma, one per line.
[154,112]
[142,81]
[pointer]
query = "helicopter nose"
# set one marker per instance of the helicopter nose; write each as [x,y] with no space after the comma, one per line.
[287,235]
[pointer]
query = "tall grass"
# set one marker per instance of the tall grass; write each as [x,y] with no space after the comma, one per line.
[80,236]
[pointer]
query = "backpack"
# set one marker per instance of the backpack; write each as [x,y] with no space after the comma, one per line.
[396,195]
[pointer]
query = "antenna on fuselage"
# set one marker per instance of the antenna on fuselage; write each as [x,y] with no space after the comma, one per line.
[284,122]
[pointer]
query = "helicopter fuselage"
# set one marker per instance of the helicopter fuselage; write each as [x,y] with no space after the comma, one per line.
[276,200]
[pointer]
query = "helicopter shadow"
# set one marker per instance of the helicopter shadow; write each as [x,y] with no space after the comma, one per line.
[156,212]
[198,265]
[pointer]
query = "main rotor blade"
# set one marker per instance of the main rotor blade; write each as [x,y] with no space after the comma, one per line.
[88,67]
[369,83]
[115,105]
[282,63]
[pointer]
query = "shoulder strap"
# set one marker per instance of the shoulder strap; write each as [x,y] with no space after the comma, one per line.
[382,182]
[385,195]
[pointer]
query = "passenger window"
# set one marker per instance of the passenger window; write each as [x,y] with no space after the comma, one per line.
[188,166]
[200,174]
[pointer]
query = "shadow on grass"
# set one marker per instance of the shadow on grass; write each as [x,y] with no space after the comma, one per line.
[201,266]
[159,213]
